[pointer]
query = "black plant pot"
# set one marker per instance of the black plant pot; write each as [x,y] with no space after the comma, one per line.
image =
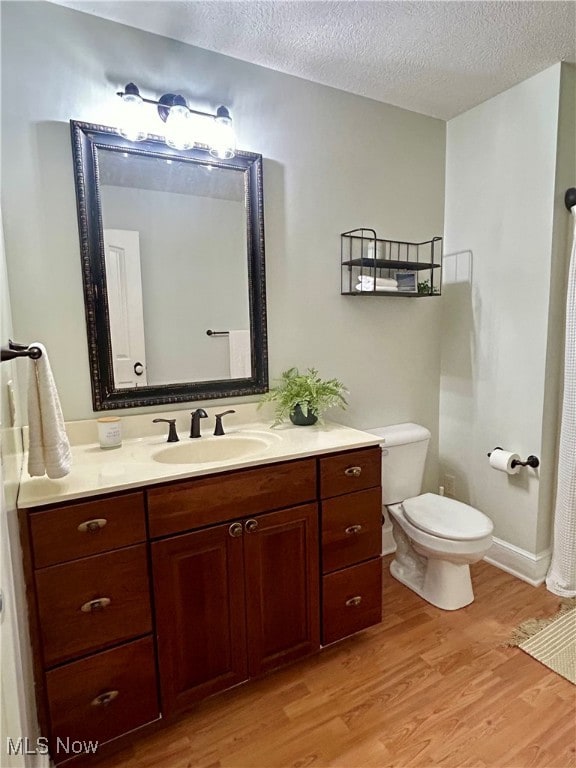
[297,417]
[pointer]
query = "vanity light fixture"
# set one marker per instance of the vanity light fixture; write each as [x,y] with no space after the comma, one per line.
[180,131]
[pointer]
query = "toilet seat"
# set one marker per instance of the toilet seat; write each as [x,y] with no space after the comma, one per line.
[446,518]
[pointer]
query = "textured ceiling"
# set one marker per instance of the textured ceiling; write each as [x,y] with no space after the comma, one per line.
[437,58]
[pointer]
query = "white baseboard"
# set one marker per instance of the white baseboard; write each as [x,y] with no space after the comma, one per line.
[520,563]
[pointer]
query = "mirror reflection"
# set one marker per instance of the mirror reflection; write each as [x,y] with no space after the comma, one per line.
[176,266]
[172,246]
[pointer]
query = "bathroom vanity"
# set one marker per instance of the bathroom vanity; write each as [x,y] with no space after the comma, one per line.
[146,598]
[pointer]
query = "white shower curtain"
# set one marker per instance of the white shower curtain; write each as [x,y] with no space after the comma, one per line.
[561,578]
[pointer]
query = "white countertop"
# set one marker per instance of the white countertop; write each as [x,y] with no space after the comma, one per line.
[96,471]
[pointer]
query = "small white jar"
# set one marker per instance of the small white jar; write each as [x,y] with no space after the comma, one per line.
[109,432]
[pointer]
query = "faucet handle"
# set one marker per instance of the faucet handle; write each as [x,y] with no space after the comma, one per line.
[219,428]
[172,434]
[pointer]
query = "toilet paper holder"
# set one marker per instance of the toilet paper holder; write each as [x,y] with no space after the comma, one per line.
[531,461]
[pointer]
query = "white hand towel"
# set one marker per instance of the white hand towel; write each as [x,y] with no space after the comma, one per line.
[49,449]
[240,354]
[370,288]
[382,281]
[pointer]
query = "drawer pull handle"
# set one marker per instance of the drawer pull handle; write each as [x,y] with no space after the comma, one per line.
[93,606]
[251,525]
[104,699]
[353,471]
[235,530]
[92,526]
[352,530]
[354,601]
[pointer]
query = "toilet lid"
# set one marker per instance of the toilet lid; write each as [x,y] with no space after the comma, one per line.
[446,518]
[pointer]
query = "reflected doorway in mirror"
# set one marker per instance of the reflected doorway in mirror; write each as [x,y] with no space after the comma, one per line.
[124,288]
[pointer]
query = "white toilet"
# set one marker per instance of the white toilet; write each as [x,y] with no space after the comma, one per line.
[436,537]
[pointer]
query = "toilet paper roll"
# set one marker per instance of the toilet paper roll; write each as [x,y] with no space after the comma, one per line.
[502,461]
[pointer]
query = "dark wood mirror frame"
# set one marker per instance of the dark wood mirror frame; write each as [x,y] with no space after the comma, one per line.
[86,140]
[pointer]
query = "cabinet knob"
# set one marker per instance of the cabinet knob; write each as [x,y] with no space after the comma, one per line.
[353,601]
[353,471]
[352,530]
[251,525]
[104,699]
[92,526]
[235,530]
[92,606]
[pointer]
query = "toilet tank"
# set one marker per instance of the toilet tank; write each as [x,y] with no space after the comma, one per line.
[404,448]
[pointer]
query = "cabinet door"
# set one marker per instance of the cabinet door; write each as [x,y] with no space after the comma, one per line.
[199,593]
[282,587]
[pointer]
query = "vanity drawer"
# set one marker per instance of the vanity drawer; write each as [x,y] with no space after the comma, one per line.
[78,530]
[72,624]
[351,471]
[218,498]
[352,600]
[77,694]
[351,529]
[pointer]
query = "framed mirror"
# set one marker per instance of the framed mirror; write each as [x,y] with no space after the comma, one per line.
[172,248]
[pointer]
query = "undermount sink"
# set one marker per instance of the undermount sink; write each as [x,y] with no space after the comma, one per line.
[209,450]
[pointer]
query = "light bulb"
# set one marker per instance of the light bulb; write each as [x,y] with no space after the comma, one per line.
[131,117]
[223,143]
[179,133]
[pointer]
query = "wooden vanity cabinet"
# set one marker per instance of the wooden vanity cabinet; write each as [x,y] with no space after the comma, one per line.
[351,511]
[236,600]
[93,603]
[210,581]
[281,568]
[214,499]
[91,617]
[104,695]
[200,615]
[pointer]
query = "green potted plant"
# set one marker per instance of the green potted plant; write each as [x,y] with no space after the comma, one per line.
[303,397]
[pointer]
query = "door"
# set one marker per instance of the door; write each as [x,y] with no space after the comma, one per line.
[282,587]
[201,630]
[125,307]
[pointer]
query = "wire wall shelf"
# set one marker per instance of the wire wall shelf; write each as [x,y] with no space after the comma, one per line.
[372,266]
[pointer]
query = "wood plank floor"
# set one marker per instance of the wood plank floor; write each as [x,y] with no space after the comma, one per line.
[426,688]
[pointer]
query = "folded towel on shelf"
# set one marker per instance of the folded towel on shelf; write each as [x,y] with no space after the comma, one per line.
[370,288]
[49,449]
[380,281]
[240,354]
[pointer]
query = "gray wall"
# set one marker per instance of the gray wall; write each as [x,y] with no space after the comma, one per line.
[333,161]
[497,329]
[193,277]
